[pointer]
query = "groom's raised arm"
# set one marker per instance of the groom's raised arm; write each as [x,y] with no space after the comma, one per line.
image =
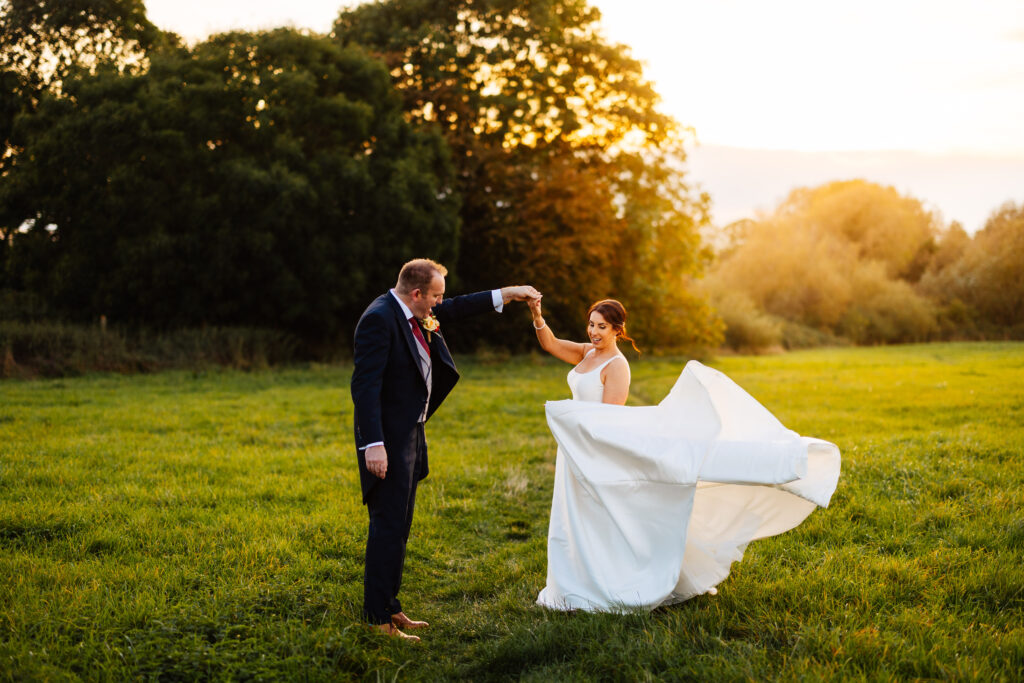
[481,302]
[372,346]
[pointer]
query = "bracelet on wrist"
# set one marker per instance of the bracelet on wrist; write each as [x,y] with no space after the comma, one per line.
[542,326]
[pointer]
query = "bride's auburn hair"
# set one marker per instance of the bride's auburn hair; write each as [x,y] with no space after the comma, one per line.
[615,313]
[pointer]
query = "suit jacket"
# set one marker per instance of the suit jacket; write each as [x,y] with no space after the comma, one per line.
[388,388]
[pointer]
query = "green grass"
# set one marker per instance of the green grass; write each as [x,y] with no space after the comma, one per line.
[181,526]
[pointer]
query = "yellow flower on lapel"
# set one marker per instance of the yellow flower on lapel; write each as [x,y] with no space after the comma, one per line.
[430,324]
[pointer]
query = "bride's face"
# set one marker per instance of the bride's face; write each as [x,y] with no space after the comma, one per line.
[602,334]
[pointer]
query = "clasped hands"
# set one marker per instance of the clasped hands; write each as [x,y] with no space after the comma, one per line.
[519,293]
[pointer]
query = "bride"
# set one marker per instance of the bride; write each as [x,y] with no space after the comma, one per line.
[653,504]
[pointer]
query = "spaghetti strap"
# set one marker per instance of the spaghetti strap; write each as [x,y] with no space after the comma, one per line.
[602,365]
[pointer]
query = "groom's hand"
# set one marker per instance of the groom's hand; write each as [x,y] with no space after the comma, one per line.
[377,461]
[519,293]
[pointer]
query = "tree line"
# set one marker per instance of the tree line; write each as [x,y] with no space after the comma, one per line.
[857,262]
[278,179]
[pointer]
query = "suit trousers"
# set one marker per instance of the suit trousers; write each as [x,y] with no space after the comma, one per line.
[390,507]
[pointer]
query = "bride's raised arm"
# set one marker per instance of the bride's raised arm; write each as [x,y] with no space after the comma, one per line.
[562,349]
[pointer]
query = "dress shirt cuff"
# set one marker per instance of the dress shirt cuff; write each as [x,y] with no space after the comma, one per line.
[497,300]
[375,443]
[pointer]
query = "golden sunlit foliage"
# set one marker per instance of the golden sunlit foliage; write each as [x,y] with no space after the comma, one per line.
[569,174]
[980,281]
[855,261]
[840,259]
[509,72]
[878,222]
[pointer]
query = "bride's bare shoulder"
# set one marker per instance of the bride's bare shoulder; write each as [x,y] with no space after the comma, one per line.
[618,364]
[615,377]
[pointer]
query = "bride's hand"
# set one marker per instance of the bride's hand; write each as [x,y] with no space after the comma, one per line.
[538,319]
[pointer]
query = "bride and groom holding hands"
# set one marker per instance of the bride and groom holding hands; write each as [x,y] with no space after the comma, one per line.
[651,504]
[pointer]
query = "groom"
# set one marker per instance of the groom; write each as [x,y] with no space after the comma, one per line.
[403,371]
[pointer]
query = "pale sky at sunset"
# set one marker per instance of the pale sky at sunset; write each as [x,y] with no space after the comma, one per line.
[924,95]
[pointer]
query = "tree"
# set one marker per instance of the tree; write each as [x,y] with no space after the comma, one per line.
[884,225]
[44,42]
[569,174]
[839,258]
[261,179]
[984,275]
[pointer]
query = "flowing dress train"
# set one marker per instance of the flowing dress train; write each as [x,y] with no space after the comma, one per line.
[653,504]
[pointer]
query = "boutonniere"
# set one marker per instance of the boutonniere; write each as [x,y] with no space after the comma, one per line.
[430,324]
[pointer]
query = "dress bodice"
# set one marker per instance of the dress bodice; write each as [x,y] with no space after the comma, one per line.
[587,386]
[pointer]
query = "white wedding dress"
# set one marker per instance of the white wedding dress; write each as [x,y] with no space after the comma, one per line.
[653,504]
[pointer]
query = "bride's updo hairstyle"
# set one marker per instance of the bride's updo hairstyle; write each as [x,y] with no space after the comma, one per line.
[615,313]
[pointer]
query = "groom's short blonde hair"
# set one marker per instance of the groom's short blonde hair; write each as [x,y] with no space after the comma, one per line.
[418,274]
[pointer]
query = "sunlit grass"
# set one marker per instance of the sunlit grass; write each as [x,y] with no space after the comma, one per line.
[187,525]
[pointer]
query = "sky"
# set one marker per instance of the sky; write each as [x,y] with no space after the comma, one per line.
[923,95]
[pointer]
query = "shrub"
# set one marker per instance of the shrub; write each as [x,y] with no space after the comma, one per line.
[797,336]
[886,310]
[747,328]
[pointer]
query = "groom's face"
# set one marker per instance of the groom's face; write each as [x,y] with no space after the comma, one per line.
[423,301]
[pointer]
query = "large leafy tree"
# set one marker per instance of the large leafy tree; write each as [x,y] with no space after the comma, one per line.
[570,175]
[42,44]
[264,179]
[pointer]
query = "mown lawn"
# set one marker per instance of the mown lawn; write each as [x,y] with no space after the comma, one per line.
[184,525]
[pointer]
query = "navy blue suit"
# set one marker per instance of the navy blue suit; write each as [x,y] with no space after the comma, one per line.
[389,395]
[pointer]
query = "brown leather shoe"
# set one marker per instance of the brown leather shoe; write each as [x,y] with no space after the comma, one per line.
[402,621]
[392,630]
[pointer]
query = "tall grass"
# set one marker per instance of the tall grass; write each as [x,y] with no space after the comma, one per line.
[53,349]
[189,525]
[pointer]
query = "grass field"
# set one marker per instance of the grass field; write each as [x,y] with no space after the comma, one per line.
[182,526]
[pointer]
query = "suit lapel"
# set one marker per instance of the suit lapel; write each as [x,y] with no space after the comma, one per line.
[439,349]
[406,331]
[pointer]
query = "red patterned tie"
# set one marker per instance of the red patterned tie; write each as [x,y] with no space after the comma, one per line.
[419,335]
